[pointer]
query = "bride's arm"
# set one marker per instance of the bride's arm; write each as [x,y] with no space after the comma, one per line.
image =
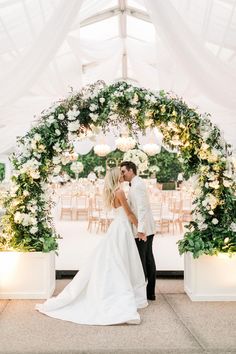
[120,195]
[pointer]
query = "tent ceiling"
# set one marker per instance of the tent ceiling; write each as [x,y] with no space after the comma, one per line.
[115,34]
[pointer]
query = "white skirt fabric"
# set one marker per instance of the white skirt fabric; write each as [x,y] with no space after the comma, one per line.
[110,287]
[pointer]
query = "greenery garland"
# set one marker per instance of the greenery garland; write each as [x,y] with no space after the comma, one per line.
[41,154]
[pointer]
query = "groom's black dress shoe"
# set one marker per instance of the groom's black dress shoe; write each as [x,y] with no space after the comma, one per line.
[151,297]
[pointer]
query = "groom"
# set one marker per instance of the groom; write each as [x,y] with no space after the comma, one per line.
[139,203]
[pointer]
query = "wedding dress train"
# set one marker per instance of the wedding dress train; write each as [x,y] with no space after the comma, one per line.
[110,287]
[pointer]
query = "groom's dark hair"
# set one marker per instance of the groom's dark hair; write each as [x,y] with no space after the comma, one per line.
[130,166]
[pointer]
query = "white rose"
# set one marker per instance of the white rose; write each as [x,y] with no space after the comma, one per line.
[227,183]
[202,226]
[35,174]
[50,120]
[56,170]
[102,99]
[72,114]
[56,160]
[215,221]
[56,147]
[93,107]
[61,116]
[33,220]
[93,116]
[18,217]
[57,131]
[73,126]
[26,193]
[214,184]
[33,230]
[37,137]
[233,226]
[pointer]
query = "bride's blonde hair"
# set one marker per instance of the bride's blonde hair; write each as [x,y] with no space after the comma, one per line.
[111,184]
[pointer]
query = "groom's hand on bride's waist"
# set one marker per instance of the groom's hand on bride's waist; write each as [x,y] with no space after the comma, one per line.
[142,236]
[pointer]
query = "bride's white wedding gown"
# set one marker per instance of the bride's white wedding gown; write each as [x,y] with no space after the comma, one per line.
[110,287]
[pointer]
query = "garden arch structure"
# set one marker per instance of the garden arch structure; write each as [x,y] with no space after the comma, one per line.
[202,151]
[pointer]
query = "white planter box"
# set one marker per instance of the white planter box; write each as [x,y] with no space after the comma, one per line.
[210,278]
[27,275]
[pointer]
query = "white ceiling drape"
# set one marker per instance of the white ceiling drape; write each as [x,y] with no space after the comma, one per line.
[189,48]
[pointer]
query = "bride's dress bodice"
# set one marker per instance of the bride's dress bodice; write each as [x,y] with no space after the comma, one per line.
[119,213]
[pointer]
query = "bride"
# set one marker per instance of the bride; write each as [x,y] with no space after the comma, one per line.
[111,286]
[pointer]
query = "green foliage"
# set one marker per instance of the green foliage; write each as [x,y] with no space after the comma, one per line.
[167,162]
[169,166]
[2,171]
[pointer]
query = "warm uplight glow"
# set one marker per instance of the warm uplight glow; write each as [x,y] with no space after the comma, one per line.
[8,265]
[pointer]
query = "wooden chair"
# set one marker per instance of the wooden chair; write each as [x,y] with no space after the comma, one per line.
[81,206]
[66,203]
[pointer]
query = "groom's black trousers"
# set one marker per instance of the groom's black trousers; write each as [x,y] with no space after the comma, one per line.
[148,262]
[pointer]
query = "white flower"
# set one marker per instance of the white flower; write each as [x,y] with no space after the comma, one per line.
[202,226]
[77,167]
[133,111]
[233,226]
[72,114]
[26,193]
[93,116]
[34,174]
[211,212]
[134,100]
[138,157]
[61,116]
[93,107]
[57,147]
[37,137]
[215,221]
[226,240]
[102,100]
[214,184]
[227,183]
[73,126]
[33,230]
[18,217]
[56,170]
[99,169]
[205,135]
[153,169]
[50,120]
[57,131]
[56,160]
[65,160]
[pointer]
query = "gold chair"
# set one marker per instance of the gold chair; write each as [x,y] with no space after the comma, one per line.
[66,203]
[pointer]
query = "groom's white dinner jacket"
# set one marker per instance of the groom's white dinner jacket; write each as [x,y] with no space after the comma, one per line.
[140,205]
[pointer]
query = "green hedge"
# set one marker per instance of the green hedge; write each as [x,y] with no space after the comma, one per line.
[167,162]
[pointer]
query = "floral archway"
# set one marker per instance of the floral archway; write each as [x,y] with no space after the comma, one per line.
[202,150]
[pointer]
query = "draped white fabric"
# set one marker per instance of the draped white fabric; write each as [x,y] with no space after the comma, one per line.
[189,49]
[191,70]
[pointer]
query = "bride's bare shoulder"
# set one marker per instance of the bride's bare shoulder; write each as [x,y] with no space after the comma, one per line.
[119,192]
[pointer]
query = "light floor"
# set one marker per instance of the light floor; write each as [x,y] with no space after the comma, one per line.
[171,324]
